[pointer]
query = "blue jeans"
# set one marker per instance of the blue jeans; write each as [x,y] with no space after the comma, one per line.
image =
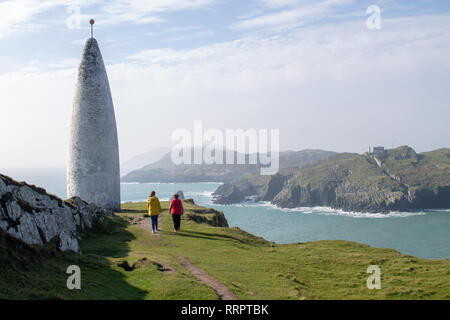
[154,223]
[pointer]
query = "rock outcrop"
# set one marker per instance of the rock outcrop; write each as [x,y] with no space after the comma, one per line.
[228,194]
[398,180]
[180,195]
[207,215]
[31,214]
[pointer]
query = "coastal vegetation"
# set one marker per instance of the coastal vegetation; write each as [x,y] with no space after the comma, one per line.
[397,180]
[120,259]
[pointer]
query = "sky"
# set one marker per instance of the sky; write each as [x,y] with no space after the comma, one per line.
[312,69]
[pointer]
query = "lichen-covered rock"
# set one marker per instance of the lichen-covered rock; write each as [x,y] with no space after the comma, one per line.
[31,214]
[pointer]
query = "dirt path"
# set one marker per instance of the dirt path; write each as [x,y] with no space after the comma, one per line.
[146,224]
[219,288]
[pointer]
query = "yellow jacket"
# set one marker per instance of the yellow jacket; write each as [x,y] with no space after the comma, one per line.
[153,206]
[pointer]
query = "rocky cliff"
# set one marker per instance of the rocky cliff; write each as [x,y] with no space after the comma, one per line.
[398,180]
[31,214]
[204,215]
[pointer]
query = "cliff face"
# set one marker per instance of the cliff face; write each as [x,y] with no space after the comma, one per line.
[265,188]
[399,180]
[204,215]
[229,193]
[36,217]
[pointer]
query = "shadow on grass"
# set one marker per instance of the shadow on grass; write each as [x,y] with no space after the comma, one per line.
[39,272]
[133,211]
[209,236]
[111,240]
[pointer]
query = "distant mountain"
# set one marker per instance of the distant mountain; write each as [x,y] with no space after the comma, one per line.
[165,170]
[143,159]
[396,180]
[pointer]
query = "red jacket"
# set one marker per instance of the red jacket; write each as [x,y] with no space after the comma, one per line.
[176,206]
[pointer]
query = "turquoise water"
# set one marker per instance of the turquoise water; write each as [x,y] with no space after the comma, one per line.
[424,234]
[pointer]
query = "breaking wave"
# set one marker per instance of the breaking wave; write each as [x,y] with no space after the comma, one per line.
[335,212]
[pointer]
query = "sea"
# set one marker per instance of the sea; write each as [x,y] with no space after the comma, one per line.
[424,233]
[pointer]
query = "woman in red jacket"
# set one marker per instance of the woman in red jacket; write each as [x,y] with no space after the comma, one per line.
[176,210]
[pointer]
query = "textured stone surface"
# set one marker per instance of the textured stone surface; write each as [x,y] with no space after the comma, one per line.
[31,214]
[93,158]
[398,180]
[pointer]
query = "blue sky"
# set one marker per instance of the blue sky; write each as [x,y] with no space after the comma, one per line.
[40,32]
[309,68]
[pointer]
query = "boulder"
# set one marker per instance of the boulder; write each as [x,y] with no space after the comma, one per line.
[36,217]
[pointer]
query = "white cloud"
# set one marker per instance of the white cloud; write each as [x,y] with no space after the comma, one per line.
[191,35]
[15,15]
[299,14]
[339,87]
[280,3]
[19,16]
[144,11]
[118,6]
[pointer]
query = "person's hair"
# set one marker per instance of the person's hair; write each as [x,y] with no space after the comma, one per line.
[176,195]
[152,193]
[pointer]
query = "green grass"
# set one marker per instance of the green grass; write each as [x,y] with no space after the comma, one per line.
[419,171]
[250,266]
[440,155]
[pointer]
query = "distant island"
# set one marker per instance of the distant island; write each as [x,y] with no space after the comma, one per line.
[389,180]
[164,170]
[380,181]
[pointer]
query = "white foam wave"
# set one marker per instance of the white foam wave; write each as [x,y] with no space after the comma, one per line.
[439,210]
[134,201]
[330,211]
[147,183]
[207,194]
[143,200]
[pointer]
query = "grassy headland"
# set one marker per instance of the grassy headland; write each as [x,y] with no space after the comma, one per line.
[397,180]
[120,260]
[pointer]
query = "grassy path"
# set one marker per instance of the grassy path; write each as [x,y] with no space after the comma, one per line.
[219,288]
[122,260]
[253,268]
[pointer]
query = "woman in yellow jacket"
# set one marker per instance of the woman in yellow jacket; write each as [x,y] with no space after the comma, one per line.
[154,210]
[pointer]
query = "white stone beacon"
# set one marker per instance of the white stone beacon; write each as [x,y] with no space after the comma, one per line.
[93,171]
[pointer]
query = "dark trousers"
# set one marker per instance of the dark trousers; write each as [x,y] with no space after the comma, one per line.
[176,221]
[154,223]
